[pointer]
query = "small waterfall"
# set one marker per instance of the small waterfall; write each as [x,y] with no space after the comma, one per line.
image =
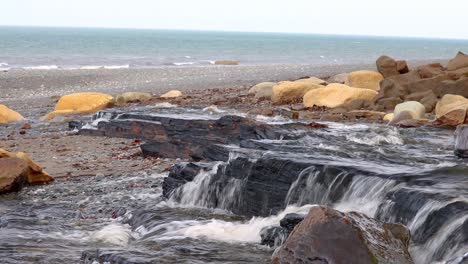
[313,186]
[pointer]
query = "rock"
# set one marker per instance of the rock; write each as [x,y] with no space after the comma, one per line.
[430,70]
[364,79]
[387,66]
[290,221]
[461,141]
[80,103]
[313,80]
[7,115]
[35,173]
[339,78]
[26,126]
[263,90]
[460,61]
[427,98]
[335,95]
[13,174]
[273,236]
[226,62]
[329,236]
[364,114]
[132,97]
[408,110]
[451,110]
[402,67]
[388,117]
[291,92]
[172,94]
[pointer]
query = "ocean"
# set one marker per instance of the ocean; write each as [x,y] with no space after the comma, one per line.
[71,48]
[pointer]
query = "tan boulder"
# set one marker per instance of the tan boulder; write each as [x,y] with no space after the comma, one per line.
[291,92]
[460,61]
[313,80]
[132,97]
[81,103]
[335,95]
[411,110]
[172,94]
[226,62]
[451,110]
[365,79]
[263,90]
[7,115]
[388,117]
[35,173]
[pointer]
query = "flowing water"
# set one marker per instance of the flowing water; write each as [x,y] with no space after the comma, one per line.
[398,175]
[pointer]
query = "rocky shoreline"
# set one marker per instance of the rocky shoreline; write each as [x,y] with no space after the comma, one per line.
[240,149]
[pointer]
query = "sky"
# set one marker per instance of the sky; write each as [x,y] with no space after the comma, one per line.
[409,18]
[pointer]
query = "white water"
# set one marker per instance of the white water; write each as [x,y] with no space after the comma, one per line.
[115,234]
[219,230]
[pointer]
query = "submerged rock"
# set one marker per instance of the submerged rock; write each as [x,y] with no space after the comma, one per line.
[7,115]
[80,103]
[329,236]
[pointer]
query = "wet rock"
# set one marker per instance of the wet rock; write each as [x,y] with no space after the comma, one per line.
[13,174]
[461,141]
[292,92]
[329,236]
[291,220]
[460,61]
[182,173]
[336,95]
[80,103]
[273,236]
[7,115]
[365,79]
[172,94]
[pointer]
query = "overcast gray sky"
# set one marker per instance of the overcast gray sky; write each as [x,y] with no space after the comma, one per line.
[422,18]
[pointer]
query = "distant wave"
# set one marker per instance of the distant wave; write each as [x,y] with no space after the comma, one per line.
[3,64]
[111,67]
[42,67]
[184,63]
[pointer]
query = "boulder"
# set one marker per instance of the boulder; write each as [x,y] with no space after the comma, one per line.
[35,173]
[132,97]
[451,110]
[387,66]
[13,174]
[172,94]
[329,236]
[291,92]
[7,115]
[365,79]
[226,62]
[81,103]
[313,80]
[402,67]
[335,95]
[460,61]
[427,98]
[430,70]
[411,110]
[262,90]
[339,78]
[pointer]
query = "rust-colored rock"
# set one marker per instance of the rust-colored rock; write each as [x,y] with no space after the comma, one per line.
[329,236]
[35,173]
[13,174]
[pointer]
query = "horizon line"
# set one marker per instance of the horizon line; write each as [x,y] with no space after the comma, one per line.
[237,31]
